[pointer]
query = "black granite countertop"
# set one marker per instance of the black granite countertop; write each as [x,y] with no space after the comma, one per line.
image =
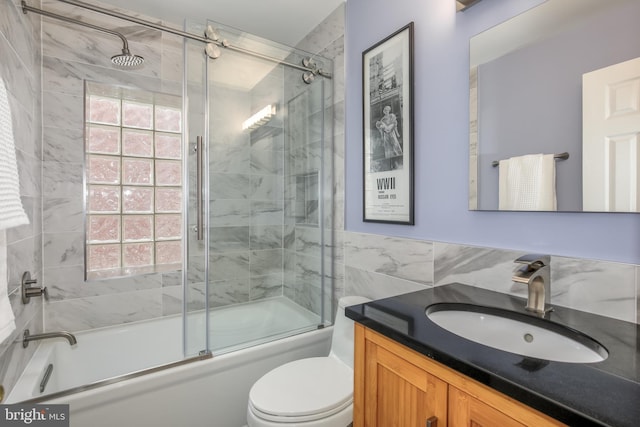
[578,394]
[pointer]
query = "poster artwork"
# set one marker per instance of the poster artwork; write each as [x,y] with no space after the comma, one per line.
[386,119]
[388,175]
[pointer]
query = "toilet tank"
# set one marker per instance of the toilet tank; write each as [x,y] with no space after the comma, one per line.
[342,339]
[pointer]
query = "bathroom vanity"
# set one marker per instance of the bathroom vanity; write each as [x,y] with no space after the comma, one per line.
[399,384]
[411,372]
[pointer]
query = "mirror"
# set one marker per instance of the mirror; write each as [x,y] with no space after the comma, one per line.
[541,83]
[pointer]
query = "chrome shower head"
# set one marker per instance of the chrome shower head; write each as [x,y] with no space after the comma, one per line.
[127,60]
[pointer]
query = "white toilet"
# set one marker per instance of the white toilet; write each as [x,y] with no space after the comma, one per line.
[313,392]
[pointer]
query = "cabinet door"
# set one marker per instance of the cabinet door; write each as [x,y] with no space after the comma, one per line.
[397,387]
[467,411]
[399,393]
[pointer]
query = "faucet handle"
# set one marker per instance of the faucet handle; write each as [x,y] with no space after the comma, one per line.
[29,291]
[534,261]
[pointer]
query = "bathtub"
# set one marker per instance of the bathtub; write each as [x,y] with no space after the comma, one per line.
[207,392]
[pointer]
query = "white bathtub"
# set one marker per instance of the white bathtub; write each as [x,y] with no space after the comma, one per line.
[211,392]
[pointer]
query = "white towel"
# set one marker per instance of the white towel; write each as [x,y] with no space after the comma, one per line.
[7,323]
[11,211]
[528,183]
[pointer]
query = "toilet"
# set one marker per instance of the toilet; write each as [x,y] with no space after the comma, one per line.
[312,392]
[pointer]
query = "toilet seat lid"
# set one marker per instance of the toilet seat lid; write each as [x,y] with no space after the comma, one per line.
[308,388]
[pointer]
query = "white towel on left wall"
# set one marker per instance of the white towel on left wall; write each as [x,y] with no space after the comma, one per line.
[7,321]
[11,211]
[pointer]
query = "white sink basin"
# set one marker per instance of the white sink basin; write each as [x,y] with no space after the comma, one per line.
[516,333]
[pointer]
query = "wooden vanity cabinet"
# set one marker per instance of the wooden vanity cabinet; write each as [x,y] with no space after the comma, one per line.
[398,387]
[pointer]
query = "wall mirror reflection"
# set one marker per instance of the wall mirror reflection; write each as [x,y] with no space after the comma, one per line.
[555,109]
[133,176]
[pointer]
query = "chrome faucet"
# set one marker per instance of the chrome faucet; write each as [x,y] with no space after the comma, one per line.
[536,274]
[27,337]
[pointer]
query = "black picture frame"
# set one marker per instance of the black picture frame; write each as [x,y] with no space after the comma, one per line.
[387,98]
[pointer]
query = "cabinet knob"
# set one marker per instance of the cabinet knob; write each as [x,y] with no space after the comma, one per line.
[432,422]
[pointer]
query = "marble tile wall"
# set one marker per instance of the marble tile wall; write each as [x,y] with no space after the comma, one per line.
[245,193]
[303,143]
[305,242]
[255,245]
[246,183]
[382,266]
[267,164]
[71,55]
[20,66]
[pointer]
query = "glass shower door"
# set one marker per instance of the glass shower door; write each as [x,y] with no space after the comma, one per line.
[265,259]
[268,232]
[195,273]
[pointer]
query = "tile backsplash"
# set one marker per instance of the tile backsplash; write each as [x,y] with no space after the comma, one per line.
[381,266]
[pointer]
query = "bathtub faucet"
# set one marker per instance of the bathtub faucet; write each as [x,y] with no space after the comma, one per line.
[27,337]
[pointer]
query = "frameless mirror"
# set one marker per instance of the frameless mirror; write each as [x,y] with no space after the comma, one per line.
[562,78]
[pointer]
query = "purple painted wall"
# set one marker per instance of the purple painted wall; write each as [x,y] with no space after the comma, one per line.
[441,140]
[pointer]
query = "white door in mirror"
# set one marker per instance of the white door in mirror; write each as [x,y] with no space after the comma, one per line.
[611,138]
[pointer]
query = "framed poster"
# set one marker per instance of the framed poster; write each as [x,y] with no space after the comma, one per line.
[387,79]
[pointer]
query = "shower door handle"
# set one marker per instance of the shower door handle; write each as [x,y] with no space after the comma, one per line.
[199,183]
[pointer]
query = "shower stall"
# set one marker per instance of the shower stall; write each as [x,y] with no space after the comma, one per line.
[256,189]
[259,207]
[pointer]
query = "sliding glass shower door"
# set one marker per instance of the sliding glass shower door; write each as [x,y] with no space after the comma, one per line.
[195,292]
[263,267]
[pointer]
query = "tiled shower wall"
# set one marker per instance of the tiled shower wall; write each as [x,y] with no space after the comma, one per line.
[245,194]
[20,69]
[381,266]
[326,40]
[246,181]
[72,54]
[253,186]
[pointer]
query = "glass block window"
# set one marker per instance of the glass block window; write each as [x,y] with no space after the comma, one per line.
[133,174]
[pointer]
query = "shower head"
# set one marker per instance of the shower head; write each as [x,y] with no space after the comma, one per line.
[124,60]
[127,60]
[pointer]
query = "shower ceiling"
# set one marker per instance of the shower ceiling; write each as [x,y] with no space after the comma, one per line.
[283,21]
